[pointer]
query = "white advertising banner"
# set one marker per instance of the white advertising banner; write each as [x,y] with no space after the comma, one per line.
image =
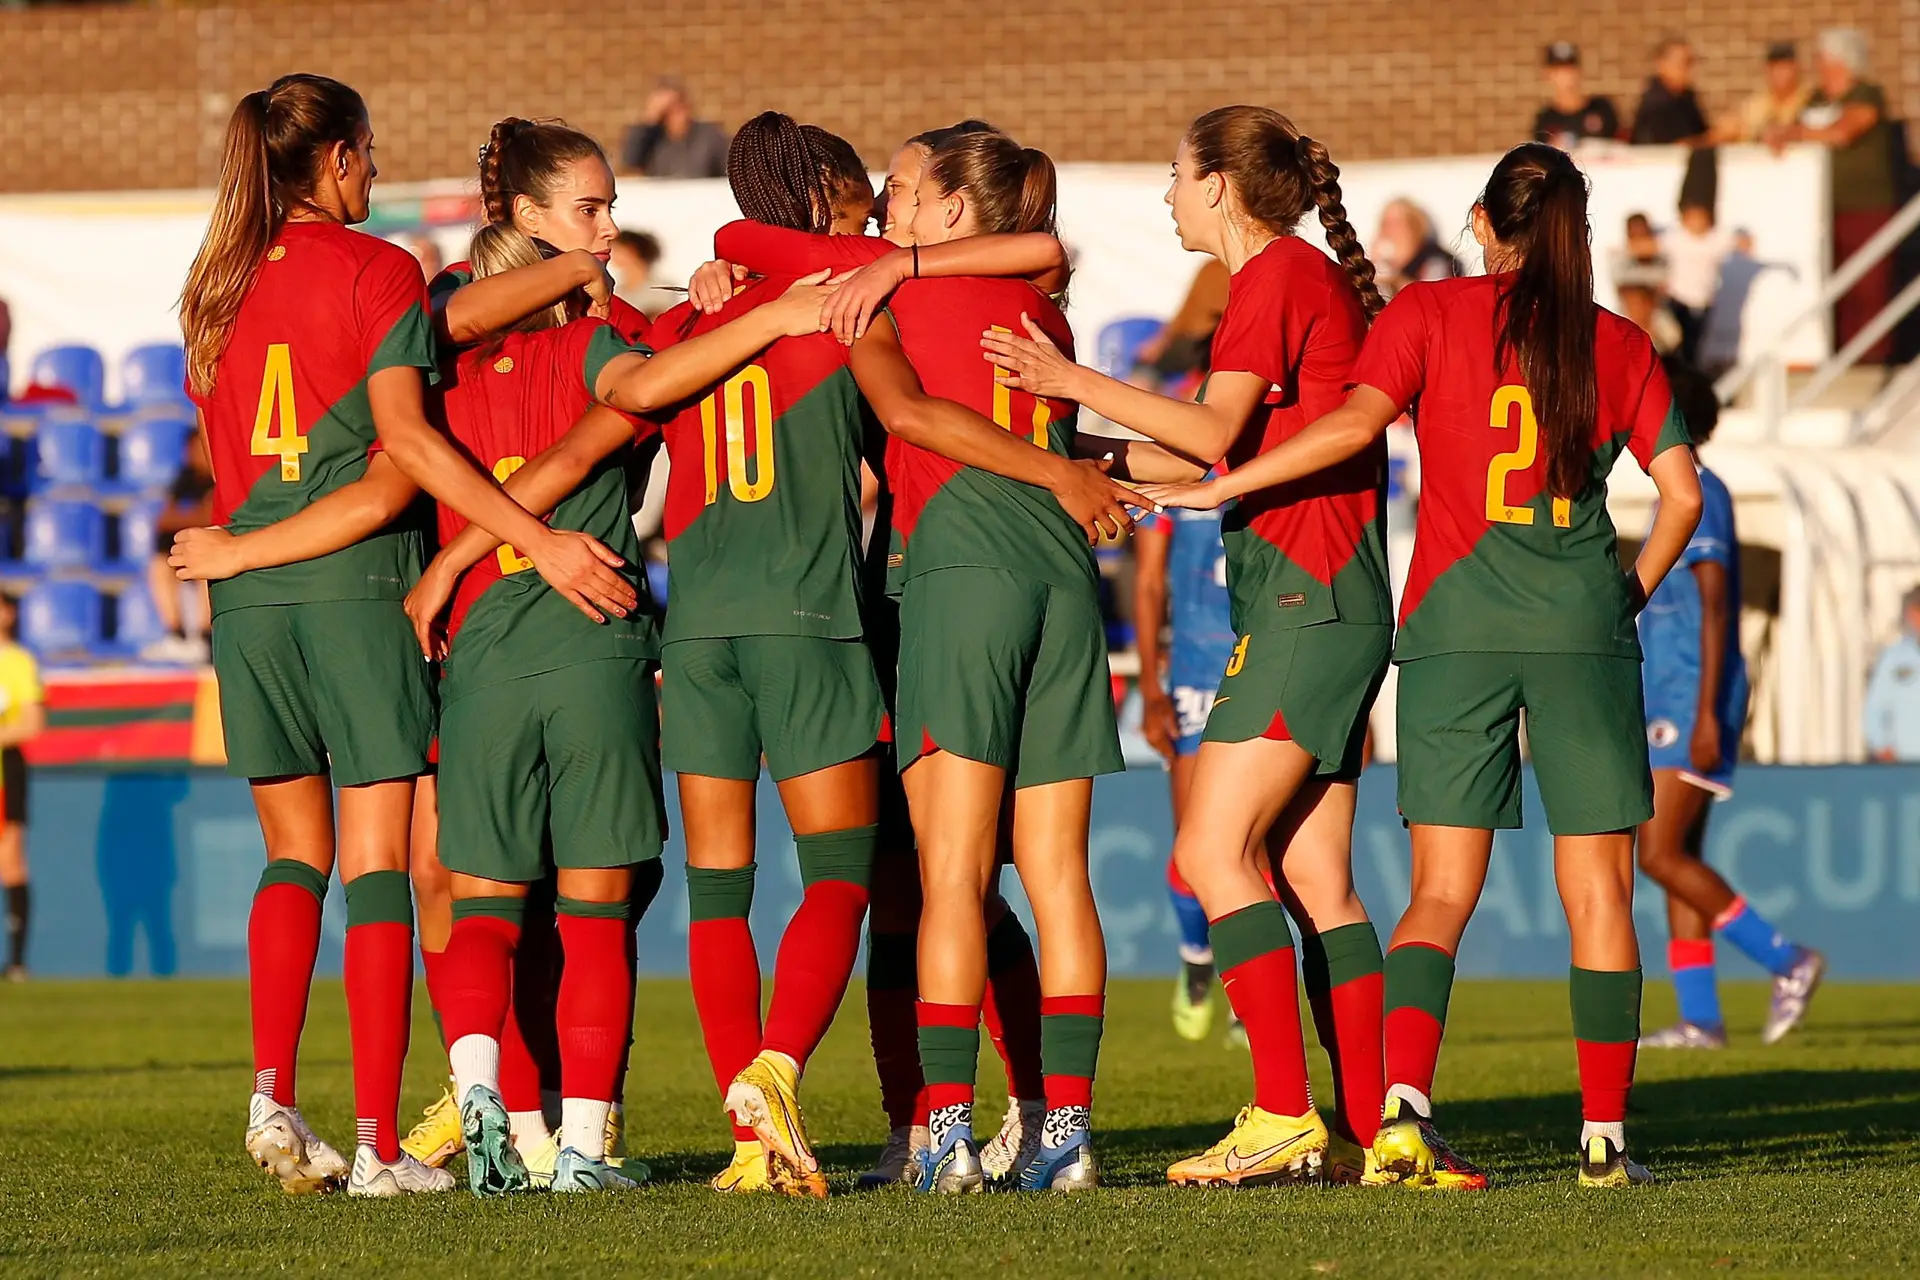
[106,269]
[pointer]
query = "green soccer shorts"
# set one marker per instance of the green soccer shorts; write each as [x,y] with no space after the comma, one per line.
[334,686]
[1311,685]
[559,769]
[1459,740]
[1008,670]
[805,702]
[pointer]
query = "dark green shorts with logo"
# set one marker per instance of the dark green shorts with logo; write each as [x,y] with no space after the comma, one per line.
[1006,669]
[335,686]
[1311,685]
[559,769]
[805,702]
[1459,740]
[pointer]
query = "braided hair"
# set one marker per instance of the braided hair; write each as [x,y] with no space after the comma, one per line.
[791,175]
[527,158]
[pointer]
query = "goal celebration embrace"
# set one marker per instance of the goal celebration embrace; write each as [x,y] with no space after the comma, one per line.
[446,675]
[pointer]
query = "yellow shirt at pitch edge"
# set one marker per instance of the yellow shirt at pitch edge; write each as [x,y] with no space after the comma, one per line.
[20,685]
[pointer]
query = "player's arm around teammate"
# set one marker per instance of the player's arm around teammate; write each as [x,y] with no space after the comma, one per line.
[1515,602]
[1274,777]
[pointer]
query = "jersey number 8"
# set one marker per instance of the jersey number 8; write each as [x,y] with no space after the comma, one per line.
[1519,458]
[730,401]
[276,410]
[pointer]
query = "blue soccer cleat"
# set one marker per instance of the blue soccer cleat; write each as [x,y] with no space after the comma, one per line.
[954,1168]
[494,1167]
[1070,1166]
[576,1171]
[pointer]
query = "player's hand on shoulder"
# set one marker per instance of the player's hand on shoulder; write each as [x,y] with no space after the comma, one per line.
[713,283]
[801,308]
[851,310]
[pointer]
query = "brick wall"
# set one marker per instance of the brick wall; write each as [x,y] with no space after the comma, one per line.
[127,96]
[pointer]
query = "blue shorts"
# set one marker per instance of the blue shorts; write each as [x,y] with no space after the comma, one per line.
[1670,720]
[1192,704]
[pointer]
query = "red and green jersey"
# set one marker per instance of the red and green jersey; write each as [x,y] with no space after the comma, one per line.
[763,498]
[1499,565]
[772,250]
[627,320]
[504,403]
[1313,550]
[288,420]
[945,514]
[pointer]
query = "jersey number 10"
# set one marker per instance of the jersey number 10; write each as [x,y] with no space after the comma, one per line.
[1518,458]
[276,410]
[1003,402]
[729,403]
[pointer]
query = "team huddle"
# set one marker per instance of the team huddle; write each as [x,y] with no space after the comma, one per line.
[931,699]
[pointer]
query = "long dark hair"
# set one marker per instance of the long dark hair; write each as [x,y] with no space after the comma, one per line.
[1279,175]
[1536,205]
[791,175]
[276,141]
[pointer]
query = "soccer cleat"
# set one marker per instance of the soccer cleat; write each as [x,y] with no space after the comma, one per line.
[1409,1151]
[281,1143]
[406,1176]
[1685,1035]
[1260,1150]
[898,1159]
[540,1159]
[494,1167]
[954,1169]
[1604,1165]
[1193,1002]
[1347,1163]
[1236,1037]
[765,1098]
[436,1139]
[1070,1166]
[1009,1151]
[1792,991]
[746,1173]
[573,1171]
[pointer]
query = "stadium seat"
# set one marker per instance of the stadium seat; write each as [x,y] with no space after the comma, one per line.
[154,374]
[64,535]
[136,624]
[77,368]
[137,531]
[1119,343]
[70,453]
[60,620]
[657,580]
[152,451]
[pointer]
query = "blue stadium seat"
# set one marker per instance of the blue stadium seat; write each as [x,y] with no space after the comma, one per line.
[154,374]
[136,624]
[79,369]
[1119,343]
[64,535]
[61,619]
[152,451]
[137,532]
[71,453]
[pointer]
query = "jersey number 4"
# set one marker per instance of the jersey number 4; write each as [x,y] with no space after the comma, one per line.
[1518,458]
[276,424]
[730,404]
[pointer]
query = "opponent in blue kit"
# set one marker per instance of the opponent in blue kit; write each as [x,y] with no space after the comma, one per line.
[1180,578]
[1695,682]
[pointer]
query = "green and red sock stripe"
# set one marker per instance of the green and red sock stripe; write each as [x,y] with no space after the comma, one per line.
[1070,1028]
[1418,984]
[1606,1032]
[1345,983]
[949,1051]
[1253,950]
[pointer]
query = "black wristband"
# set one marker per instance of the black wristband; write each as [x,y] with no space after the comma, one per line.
[916,262]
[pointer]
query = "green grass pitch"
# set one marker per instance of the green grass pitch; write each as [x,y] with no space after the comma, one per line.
[121,1108]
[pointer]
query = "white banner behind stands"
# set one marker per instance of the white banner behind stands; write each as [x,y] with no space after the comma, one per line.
[106,270]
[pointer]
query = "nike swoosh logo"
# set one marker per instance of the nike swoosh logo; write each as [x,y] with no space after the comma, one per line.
[1236,1161]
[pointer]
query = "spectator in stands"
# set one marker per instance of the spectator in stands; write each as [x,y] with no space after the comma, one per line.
[23,716]
[669,143]
[189,506]
[1739,270]
[632,261]
[426,251]
[1891,718]
[1571,113]
[1694,251]
[1848,114]
[1640,279]
[1768,115]
[1406,249]
[1183,345]
[1669,109]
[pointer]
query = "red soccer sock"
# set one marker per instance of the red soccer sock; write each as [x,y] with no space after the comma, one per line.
[478,965]
[816,959]
[536,988]
[1011,1008]
[891,1026]
[283,939]
[379,982]
[1253,949]
[519,1073]
[949,1045]
[725,975]
[1346,990]
[435,965]
[1419,983]
[1606,1078]
[593,1012]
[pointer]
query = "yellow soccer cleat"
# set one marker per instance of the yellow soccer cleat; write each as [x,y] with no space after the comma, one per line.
[1263,1149]
[1409,1151]
[1604,1165]
[541,1160]
[746,1173]
[1192,1007]
[765,1097]
[616,1132]
[436,1140]
[1348,1163]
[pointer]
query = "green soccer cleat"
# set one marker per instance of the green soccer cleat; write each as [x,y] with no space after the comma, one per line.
[494,1167]
[573,1171]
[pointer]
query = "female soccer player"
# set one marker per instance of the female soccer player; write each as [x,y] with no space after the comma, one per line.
[1310,604]
[1695,682]
[305,346]
[1527,392]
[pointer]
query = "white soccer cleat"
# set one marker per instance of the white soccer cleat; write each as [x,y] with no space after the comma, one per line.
[406,1176]
[280,1142]
[899,1160]
[1018,1141]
